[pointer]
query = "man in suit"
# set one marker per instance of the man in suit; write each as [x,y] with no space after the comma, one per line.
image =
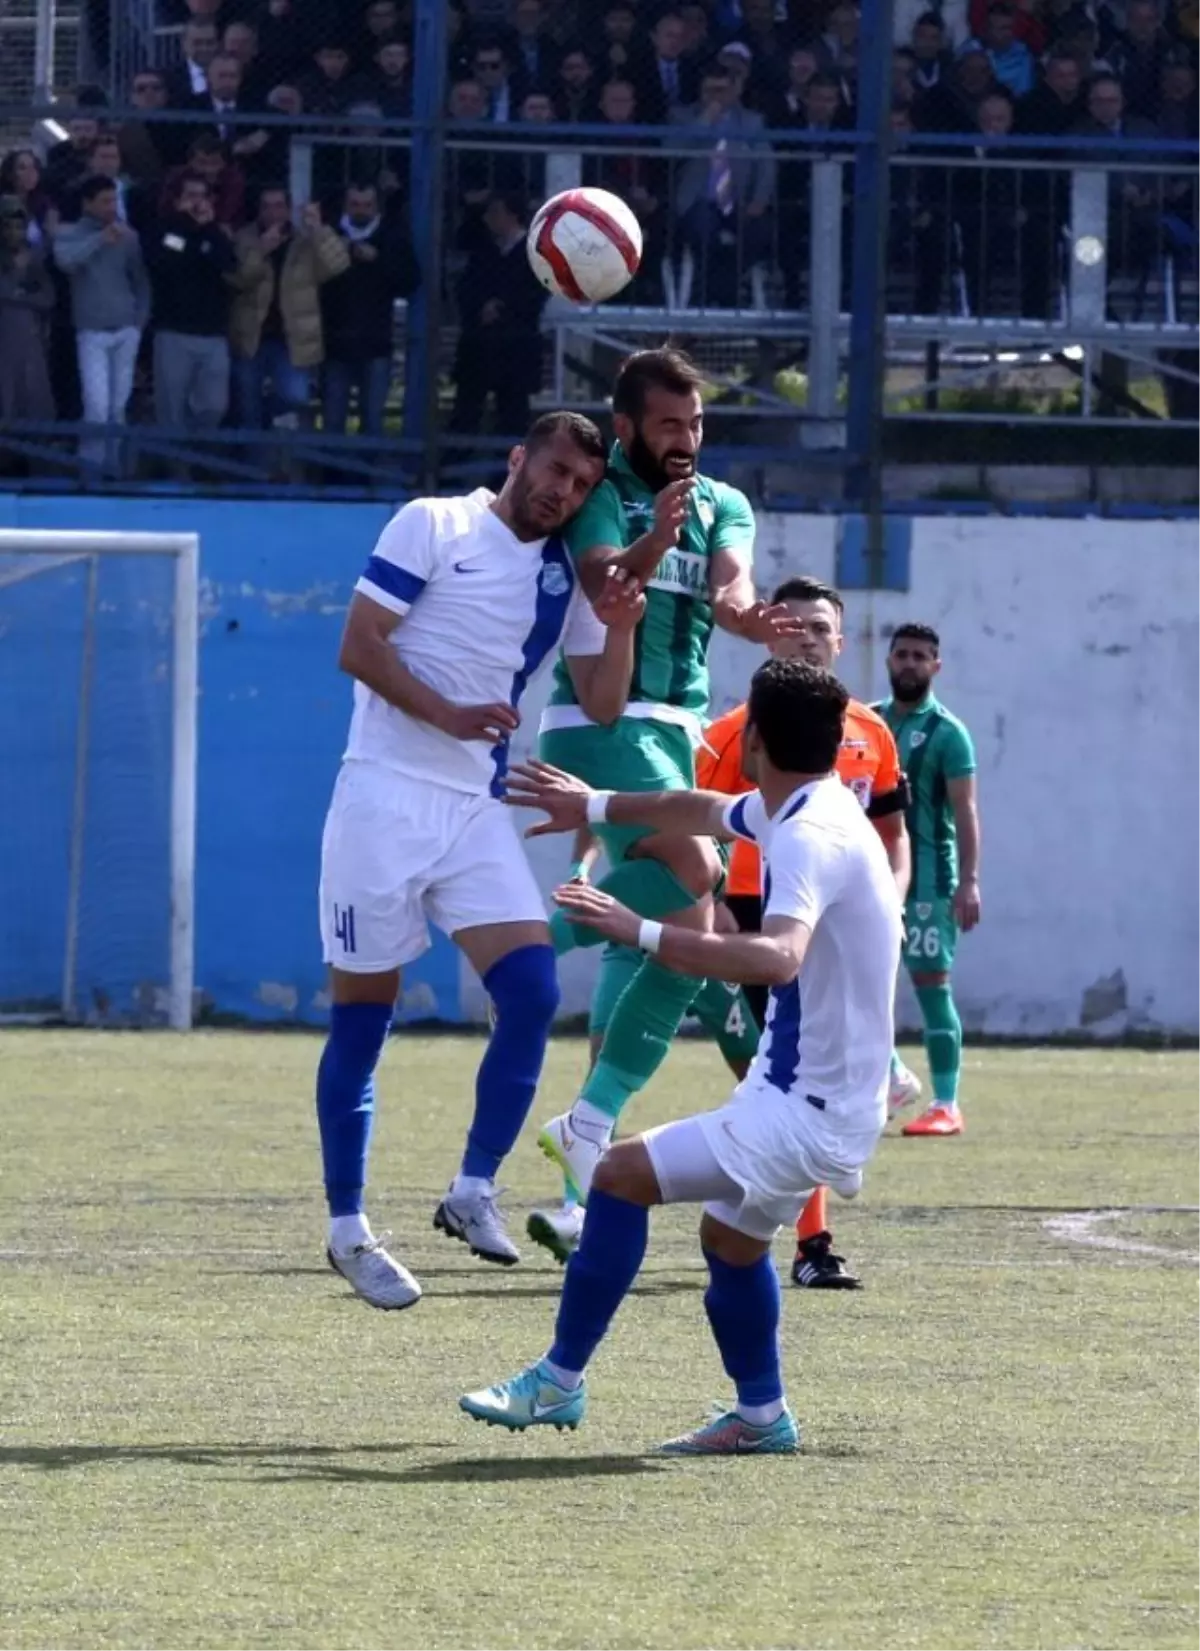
[531,48]
[189,79]
[499,304]
[723,197]
[669,79]
[224,98]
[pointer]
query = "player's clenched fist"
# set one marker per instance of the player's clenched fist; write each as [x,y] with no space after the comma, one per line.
[480,722]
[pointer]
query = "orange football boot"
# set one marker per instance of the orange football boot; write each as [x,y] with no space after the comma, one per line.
[937,1120]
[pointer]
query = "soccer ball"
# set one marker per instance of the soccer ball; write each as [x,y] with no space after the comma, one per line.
[585,244]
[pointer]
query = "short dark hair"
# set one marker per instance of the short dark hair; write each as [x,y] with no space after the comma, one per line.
[490,43]
[665,369]
[930,17]
[207,142]
[89,97]
[916,632]
[824,78]
[803,589]
[579,429]
[189,180]
[798,711]
[95,184]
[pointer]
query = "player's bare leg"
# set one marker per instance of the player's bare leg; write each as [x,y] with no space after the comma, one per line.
[943,1043]
[515,962]
[360,1019]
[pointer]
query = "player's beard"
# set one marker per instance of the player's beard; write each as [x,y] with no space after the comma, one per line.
[654,471]
[907,687]
[528,519]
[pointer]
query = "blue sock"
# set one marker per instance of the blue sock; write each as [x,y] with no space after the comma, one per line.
[599,1276]
[524,989]
[346,1099]
[742,1304]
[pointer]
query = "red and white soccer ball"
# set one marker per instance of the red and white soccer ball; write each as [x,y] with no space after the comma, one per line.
[585,244]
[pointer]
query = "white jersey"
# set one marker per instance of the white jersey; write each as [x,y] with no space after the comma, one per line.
[481,611]
[827,1040]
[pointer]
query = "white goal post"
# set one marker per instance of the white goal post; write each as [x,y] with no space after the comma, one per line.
[53,548]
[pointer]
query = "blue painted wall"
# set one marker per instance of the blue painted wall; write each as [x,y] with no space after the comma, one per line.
[275,580]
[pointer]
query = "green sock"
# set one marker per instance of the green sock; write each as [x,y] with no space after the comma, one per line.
[645,886]
[618,965]
[723,1010]
[943,1041]
[644,1021]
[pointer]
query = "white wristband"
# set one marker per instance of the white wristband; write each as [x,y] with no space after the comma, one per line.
[649,936]
[597,807]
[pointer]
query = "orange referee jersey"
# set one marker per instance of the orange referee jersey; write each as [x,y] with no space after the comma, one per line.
[868,763]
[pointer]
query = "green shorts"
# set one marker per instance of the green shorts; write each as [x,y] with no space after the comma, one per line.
[930,936]
[631,755]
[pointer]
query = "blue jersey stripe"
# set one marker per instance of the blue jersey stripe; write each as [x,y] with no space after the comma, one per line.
[397,582]
[783,1053]
[556,585]
[737,818]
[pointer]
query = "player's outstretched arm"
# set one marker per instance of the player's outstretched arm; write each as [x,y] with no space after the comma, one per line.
[368,656]
[736,606]
[570,804]
[772,958]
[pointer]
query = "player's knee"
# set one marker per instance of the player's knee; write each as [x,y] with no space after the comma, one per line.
[523,985]
[693,860]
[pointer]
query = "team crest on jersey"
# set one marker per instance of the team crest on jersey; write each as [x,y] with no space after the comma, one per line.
[554,579]
[705,512]
[861,788]
[924,911]
[917,739]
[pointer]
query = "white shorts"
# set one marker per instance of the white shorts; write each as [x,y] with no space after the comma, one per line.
[754,1162]
[399,853]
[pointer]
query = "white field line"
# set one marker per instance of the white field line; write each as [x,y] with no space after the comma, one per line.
[1079,1228]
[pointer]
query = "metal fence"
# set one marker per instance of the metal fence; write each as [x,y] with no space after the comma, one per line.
[1019,272]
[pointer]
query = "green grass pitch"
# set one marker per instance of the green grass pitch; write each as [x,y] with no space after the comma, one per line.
[206,1442]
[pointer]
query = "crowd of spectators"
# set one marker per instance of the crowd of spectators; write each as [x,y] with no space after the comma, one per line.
[160,262]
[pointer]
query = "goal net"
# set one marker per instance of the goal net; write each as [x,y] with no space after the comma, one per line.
[98,673]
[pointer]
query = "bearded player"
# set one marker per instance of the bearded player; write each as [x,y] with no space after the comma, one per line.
[943,824]
[689,541]
[458,605]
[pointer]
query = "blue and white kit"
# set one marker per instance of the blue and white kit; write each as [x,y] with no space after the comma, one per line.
[416,831]
[812,1106]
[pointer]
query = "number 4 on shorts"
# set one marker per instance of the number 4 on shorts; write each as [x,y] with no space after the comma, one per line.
[343,926]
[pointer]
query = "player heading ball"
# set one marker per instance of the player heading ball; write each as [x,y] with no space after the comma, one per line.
[458,606]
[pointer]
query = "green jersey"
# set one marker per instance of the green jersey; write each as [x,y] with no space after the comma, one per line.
[670,671]
[935,748]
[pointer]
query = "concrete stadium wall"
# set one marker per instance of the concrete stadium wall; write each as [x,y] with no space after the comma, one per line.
[1071,650]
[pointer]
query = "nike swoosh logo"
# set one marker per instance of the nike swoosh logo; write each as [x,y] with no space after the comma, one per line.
[540,1411]
[465,567]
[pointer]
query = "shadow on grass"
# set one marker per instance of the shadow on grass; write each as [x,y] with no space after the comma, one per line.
[465,1470]
[283,1464]
[295,1461]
